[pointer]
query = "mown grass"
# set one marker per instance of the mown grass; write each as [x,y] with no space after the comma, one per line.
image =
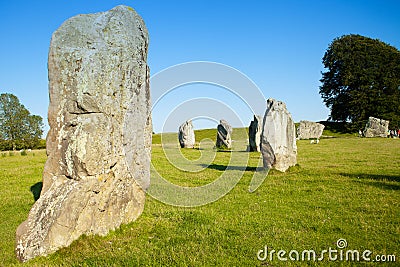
[18,176]
[342,188]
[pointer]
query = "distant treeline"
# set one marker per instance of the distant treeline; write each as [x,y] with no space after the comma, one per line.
[18,128]
[6,145]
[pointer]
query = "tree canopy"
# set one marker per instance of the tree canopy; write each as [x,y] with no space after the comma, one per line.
[18,128]
[362,80]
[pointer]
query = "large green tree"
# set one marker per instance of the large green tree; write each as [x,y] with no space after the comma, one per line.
[362,80]
[18,128]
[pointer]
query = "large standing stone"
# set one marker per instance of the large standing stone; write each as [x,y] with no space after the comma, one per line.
[99,143]
[255,129]
[376,128]
[186,135]
[310,130]
[224,132]
[278,138]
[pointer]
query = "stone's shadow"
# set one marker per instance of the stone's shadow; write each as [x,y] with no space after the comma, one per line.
[36,189]
[386,186]
[220,167]
[224,150]
[377,177]
[380,181]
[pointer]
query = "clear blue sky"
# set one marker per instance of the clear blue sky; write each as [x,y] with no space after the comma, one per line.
[277,44]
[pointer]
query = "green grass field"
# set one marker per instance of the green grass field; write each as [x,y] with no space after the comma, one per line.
[341,188]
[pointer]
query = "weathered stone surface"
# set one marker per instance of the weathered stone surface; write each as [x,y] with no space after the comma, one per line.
[186,135]
[310,130]
[255,129]
[99,143]
[224,133]
[376,128]
[278,138]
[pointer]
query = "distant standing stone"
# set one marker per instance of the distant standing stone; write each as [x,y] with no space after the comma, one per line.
[376,128]
[186,135]
[99,143]
[278,138]
[310,130]
[255,129]
[224,132]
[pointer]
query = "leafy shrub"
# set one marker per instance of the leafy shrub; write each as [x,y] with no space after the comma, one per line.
[41,144]
[5,145]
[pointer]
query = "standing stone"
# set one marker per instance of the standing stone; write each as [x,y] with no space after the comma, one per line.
[224,133]
[310,130]
[186,135]
[278,138]
[376,128]
[255,129]
[99,143]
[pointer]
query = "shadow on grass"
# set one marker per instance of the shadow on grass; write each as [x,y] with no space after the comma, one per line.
[377,180]
[220,167]
[377,177]
[36,189]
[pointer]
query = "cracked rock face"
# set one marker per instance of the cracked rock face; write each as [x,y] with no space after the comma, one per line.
[224,133]
[255,129]
[376,127]
[278,137]
[99,143]
[309,130]
[186,135]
